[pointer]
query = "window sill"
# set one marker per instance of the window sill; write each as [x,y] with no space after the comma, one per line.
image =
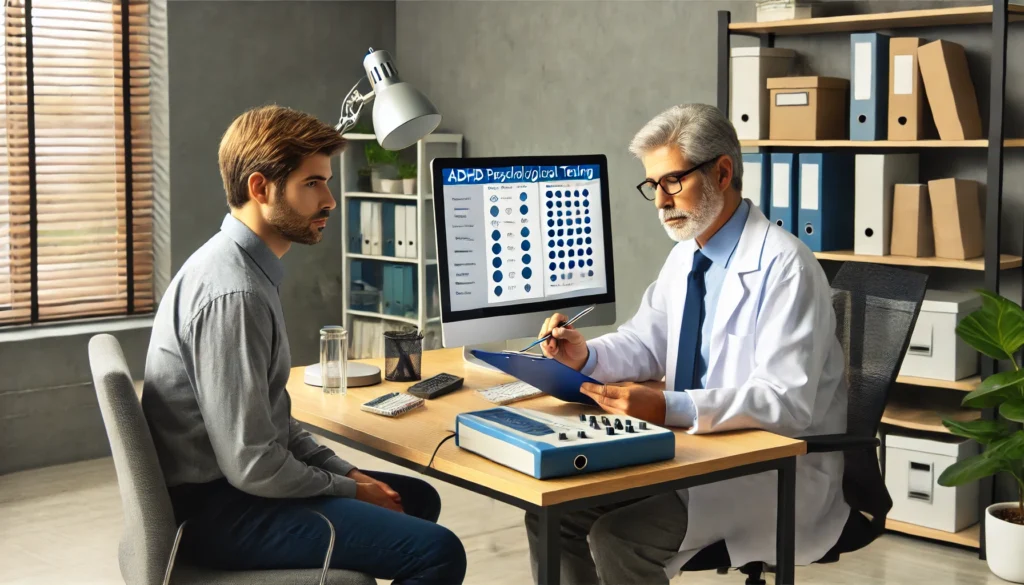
[81,327]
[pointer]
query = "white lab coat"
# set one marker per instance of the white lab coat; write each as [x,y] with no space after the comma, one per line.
[775,363]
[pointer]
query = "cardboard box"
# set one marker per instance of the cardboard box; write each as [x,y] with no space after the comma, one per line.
[749,70]
[950,91]
[912,469]
[956,218]
[906,94]
[912,222]
[935,350]
[808,108]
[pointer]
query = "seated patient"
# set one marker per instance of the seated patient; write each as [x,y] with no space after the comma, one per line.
[740,324]
[238,466]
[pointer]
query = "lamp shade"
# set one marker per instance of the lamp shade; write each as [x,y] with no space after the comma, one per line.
[401,113]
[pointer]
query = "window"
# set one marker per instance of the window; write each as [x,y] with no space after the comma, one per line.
[76,181]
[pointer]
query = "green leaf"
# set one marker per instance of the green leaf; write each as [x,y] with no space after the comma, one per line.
[996,329]
[968,470]
[1009,450]
[995,390]
[1012,410]
[982,431]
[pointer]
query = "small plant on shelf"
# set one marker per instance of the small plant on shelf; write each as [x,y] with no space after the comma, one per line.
[382,163]
[996,330]
[407,172]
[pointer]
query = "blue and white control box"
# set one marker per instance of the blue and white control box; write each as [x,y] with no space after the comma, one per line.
[546,446]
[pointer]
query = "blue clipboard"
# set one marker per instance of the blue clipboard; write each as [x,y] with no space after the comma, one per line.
[546,374]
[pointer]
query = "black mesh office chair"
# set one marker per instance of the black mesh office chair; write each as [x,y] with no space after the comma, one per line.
[876,309]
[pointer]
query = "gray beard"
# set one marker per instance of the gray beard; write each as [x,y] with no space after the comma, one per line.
[699,220]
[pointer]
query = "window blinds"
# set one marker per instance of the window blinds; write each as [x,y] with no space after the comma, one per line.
[64,209]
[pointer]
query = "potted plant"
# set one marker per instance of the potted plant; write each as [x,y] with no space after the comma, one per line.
[365,184]
[996,330]
[382,166]
[407,172]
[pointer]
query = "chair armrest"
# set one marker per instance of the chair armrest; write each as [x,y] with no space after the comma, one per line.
[843,442]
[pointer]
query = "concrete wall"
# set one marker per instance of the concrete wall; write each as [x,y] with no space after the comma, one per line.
[226,57]
[223,57]
[561,77]
[565,77]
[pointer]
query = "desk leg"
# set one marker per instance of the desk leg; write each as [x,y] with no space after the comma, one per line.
[785,531]
[549,563]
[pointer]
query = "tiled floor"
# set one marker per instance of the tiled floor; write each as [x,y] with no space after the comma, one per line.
[61,525]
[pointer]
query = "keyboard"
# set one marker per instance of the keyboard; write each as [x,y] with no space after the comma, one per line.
[509,393]
[392,404]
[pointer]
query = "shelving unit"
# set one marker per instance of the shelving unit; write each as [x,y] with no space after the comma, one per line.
[969,537]
[878,144]
[352,159]
[1006,261]
[965,385]
[930,420]
[997,15]
[878,21]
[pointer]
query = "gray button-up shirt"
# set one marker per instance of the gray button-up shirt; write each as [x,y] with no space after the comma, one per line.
[218,362]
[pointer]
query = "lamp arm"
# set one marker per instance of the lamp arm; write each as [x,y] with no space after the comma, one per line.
[352,106]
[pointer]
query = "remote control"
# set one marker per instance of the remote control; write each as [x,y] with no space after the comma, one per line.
[439,385]
[392,404]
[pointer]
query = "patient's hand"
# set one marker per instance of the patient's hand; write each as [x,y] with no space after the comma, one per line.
[630,399]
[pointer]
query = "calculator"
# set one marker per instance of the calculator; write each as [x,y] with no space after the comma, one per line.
[392,404]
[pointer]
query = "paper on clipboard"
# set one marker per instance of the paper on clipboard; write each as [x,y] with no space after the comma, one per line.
[548,375]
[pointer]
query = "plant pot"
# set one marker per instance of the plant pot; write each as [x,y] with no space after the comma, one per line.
[409,186]
[364,184]
[1004,542]
[376,176]
[393,186]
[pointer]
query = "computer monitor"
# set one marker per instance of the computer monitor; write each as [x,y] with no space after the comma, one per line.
[519,238]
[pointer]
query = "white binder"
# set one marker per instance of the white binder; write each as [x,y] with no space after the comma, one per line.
[749,99]
[376,237]
[411,237]
[400,240]
[876,177]
[365,221]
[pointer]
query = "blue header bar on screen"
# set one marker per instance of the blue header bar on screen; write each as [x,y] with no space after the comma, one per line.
[521,174]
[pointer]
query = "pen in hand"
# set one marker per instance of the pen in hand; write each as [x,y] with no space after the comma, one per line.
[569,322]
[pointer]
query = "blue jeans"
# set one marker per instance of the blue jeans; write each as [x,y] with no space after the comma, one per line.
[232,530]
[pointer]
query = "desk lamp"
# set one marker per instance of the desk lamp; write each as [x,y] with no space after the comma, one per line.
[401,116]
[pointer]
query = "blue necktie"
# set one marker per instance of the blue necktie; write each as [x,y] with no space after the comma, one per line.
[693,320]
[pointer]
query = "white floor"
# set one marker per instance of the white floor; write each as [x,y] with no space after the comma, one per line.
[61,525]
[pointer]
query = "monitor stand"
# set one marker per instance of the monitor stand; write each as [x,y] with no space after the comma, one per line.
[469,359]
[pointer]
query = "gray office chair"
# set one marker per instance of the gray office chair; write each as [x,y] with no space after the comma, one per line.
[876,310]
[149,542]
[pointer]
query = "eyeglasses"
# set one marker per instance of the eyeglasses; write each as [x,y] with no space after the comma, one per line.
[671,183]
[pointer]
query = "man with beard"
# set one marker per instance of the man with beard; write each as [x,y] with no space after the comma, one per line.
[255,487]
[740,325]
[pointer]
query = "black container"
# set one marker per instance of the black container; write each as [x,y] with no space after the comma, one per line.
[403,355]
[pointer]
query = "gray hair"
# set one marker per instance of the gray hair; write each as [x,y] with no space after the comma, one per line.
[701,131]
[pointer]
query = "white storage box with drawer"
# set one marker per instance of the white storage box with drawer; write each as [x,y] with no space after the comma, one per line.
[912,469]
[935,351]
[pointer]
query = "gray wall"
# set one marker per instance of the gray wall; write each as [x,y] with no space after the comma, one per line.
[559,77]
[223,57]
[226,57]
[566,77]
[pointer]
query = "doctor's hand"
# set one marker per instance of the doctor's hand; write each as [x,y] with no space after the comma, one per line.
[629,399]
[567,345]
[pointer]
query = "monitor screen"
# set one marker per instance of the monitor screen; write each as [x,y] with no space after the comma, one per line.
[522,234]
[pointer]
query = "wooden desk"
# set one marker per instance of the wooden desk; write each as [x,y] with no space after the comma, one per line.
[411,439]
